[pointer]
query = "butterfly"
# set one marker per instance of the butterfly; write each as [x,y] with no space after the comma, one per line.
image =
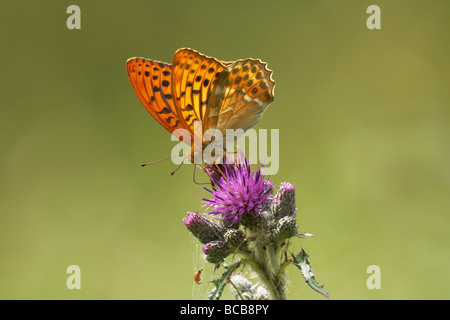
[195,87]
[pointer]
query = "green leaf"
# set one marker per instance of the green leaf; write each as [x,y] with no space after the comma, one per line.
[220,283]
[302,262]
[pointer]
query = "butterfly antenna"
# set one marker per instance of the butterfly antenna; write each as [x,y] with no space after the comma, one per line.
[173,172]
[186,157]
[147,164]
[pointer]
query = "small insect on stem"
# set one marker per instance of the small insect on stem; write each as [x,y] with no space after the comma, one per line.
[198,276]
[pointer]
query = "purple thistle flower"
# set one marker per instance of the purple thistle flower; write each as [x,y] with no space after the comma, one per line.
[237,190]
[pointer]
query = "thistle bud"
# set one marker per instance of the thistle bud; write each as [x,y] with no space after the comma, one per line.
[287,227]
[234,238]
[284,201]
[204,229]
[216,251]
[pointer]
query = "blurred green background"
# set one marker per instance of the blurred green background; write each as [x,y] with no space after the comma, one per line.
[364,135]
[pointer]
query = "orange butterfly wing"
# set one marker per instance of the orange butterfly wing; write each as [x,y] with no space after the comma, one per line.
[152,83]
[194,76]
[242,93]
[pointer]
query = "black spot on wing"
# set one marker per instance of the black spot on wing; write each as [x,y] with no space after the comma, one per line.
[169,119]
[189,107]
[165,110]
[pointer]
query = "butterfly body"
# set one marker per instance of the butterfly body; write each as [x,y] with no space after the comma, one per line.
[195,87]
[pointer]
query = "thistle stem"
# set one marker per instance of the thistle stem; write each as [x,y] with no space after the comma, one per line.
[265,263]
